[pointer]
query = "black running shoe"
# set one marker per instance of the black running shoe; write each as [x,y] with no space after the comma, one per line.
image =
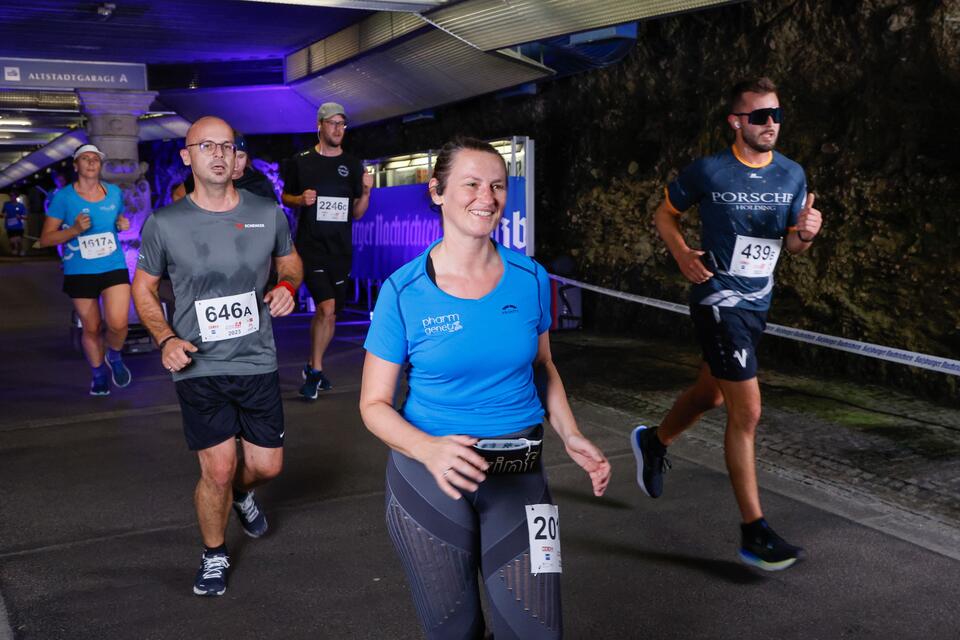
[313,382]
[212,576]
[652,461]
[761,547]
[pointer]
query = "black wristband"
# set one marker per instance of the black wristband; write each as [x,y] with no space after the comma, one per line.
[806,241]
[165,341]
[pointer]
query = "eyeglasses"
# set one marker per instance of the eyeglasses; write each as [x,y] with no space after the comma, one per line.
[207,147]
[336,124]
[759,116]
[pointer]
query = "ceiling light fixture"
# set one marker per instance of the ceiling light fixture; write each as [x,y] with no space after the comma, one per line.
[105,10]
[369,5]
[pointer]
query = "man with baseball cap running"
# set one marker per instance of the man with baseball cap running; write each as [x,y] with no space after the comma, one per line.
[331,190]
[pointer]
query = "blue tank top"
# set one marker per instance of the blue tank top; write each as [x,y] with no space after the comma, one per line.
[67,205]
[745,212]
[470,361]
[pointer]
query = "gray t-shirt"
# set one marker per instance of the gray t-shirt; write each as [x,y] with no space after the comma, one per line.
[213,255]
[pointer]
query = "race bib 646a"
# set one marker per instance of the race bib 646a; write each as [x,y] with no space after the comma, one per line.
[228,317]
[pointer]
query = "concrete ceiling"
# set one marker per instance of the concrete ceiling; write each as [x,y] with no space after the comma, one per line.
[170,31]
[380,58]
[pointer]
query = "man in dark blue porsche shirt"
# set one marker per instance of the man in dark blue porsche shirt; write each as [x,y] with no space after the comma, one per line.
[753,204]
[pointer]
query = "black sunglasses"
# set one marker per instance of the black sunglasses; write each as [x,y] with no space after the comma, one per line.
[759,116]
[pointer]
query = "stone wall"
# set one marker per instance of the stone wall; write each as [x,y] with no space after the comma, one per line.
[870,91]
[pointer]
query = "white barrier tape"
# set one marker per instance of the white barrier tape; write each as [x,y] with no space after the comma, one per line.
[922,360]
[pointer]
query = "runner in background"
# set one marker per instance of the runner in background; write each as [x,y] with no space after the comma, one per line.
[332,190]
[84,218]
[14,216]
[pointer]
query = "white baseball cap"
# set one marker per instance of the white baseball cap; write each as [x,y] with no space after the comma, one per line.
[91,148]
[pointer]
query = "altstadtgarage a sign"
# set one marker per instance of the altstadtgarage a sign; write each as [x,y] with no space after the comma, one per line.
[25,73]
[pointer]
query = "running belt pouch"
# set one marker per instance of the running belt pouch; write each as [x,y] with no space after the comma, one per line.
[509,455]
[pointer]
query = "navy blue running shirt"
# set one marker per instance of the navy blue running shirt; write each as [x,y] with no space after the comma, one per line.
[745,211]
[470,361]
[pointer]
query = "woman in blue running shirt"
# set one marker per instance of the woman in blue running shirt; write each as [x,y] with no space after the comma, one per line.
[466,493]
[84,217]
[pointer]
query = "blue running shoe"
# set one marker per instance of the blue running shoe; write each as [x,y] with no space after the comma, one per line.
[652,461]
[313,382]
[119,372]
[212,576]
[762,548]
[252,520]
[100,385]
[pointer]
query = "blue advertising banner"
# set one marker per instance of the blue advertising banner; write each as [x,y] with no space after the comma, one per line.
[67,74]
[399,225]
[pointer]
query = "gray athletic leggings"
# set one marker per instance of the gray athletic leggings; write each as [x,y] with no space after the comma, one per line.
[443,542]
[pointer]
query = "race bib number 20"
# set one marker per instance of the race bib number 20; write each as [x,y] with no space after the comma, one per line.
[228,317]
[543,527]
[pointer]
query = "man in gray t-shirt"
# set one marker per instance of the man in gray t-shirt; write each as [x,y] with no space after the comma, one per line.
[212,255]
[217,244]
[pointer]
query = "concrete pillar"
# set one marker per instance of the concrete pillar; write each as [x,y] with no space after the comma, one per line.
[112,126]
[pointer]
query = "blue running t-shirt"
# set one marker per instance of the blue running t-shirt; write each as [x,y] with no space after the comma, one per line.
[470,361]
[745,211]
[67,205]
[14,214]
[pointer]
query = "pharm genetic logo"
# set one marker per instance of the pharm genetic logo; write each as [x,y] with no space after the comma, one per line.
[343,171]
[448,323]
[508,308]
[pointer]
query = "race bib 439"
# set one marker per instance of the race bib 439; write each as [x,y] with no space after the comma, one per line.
[754,257]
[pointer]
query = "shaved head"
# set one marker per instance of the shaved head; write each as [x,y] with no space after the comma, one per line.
[210,128]
[212,168]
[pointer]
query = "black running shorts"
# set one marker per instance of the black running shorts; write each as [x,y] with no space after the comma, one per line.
[91,285]
[729,339]
[326,278]
[216,408]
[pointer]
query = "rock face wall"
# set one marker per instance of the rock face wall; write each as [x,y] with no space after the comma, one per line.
[871,91]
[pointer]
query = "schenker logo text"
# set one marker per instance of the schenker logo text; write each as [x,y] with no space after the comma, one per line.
[444,323]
